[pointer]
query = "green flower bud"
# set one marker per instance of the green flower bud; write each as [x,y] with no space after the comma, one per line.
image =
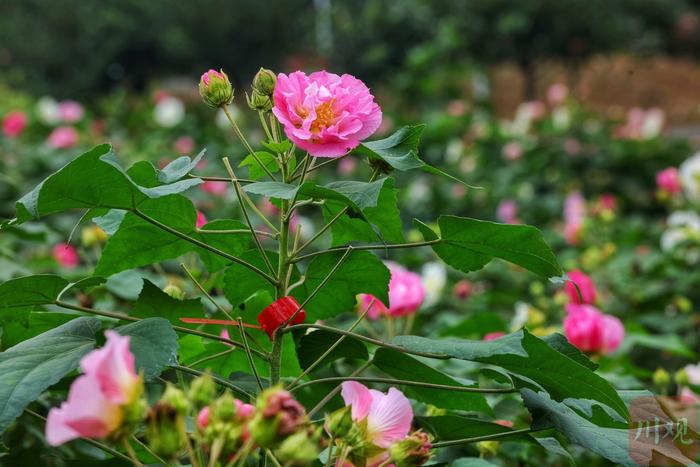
[414,450]
[301,448]
[264,82]
[488,448]
[164,432]
[681,377]
[202,391]
[661,378]
[338,423]
[176,399]
[224,408]
[258,101]
[174,291]
[215,88]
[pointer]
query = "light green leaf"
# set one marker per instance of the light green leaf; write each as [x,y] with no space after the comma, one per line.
[469,244]
[179,168]
[32,366]
[255,171]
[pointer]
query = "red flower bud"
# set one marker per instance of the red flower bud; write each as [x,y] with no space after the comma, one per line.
[278,312]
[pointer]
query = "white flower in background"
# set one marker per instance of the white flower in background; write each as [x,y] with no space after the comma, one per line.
[682,226]
[690,177]
[653,123]
[693,372]
[454,150]
[522,313]
[221,119]
[48,111]
[169,111]
[434,278]
[420,190]
[561,118]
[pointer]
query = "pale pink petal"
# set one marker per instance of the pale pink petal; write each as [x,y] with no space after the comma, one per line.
[390,417]
[357,396]
[113,366]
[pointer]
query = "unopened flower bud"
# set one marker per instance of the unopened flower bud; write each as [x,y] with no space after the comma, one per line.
[278,416]
[176,399]
[462,289]
[202,391]
[92,235]
[260,102]
[203,419]
[414,450]
[264,82]
[488,448]
[163,430]
[681,377]
[338,423]
[224,408]
[661,378]
[174,291]
[215,88]
[299,449]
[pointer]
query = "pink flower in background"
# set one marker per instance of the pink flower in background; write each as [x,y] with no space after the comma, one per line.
[406,294]
[94,408]
[184,145]
[388,416]
[463,289]
[347,165]
[456,108]
[66,255]
[508,211]
[70,111]
[203,418]
[607,201]
[323,113]
[512,151]
[557,94]
[585,285]
[590,330]
[493,335]
[669,181]
[535,109]
[14,123]
[63,137]
[201,220]
[215,187]
[574,214]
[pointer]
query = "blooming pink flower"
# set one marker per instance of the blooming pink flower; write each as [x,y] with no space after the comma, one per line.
[215,187]
[388,416]
[585,285]
[668,180]
[535,109]
[95,400]
[201,220]
[557,94]
[70,111]
[323,113]
[512,151]
[63,137]
[406,294]
[493,335]
[590,330]
[14,123]
[184,145]
[66,255]
[508,211]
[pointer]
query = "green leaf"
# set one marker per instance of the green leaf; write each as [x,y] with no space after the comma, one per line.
[26,293]
[280,148]
[255,170]
[240,283]
[402,366]
[469,244]
[384,216]
[179,168]
[559,343]
[532,361]
[612,443]
[471,462]
[92,180]
[400,151]
[360,272]
[670,343]
[552,445]
[110,221]
[153,343]
[154,303]
[32,366]
[452,427]
[138,242]
[314,344]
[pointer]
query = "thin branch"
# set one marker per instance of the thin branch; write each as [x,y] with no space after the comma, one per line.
[262,233]
[221,179]
[239,193]
[395,246]
[505,434]
[404,382]
[369,340]
[205,293]
[211,357]
[320,232]
[249,354]
[221,381]
[206,246]
[318,166]
[245,142]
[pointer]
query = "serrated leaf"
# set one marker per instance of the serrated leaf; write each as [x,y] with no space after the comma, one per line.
[532,361]
[402,366]
[179,168]
[32,366]
[153,343]
[469,244]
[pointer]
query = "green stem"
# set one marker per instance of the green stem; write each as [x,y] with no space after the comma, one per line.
[318,166]
[276,358]
[505,434]
[221,179]
[245,142]
[239,194]
[261,115]
[205,293]
[237,231]
[297,327]
[221,381]
[132,454]
[273,458]
[249,353]
[206,246]
[123,317]
[404,382]
[395,246]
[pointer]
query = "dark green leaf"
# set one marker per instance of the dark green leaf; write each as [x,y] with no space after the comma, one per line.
[451,427]
[314,344]
[559,343]
[32,366]
[153,302]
